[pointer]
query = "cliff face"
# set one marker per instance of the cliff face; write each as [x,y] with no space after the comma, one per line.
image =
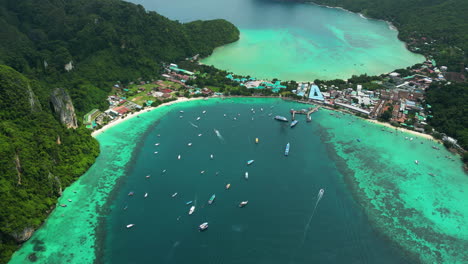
[63,108]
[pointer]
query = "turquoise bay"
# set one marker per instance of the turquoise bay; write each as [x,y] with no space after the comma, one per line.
[378,206]
[295,41]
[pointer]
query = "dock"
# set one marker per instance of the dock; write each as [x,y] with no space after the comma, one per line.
[306,112]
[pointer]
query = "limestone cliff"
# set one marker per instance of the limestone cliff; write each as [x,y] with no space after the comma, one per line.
[63,107]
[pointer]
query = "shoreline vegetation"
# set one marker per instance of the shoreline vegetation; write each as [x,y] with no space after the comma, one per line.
[46,53]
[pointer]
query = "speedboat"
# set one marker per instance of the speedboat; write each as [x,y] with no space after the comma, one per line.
[243,203]
[294,123]
[199,135]
[250,162]
[189,144]
[130,225]
[189,202]
[157,144]
[212,198]
[228,186]
[246,176]
[198,118]
[204,111]
[202,172]
[211,156]
[178,157]
[203,226]
[146,195]
[156,152]
[286,151]
[192,209]
[174,195]
[281,118]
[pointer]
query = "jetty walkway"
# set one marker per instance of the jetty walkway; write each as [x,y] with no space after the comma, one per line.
[306,112]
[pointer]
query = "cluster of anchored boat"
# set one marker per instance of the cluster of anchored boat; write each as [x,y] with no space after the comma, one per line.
[204,225]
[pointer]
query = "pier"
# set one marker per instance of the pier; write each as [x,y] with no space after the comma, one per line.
[306,112]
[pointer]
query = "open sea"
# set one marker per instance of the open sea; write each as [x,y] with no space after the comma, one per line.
[378,205]
[295,41]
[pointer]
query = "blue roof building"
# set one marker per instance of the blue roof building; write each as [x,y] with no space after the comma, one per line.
[315,93]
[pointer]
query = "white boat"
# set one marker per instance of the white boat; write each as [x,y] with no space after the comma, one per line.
[224,114]
[146,195]
[164,171]
[189,144]
[198,118]
[203,226]
[178,157]
[157,144]
[174,195]
[156,152]
[243,203]
[250,162]
[202,172]
[192,209]
[199,135]
[148,176]
[211,156]
[246,176]
[130,225]
[181,111]
[204,111]
[180,116]
[416,161]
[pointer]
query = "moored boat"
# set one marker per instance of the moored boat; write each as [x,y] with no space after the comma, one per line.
[243,203]
[178,157]
[189,144]
[228,186]
[416,161]
[146,195]
[192,209]
[203,226]
[211,156]
[250,162]
[281,118]
[130,225]
[189,202]
[212,198]
[256,140]
[131,193]
[174,195]
[294,123]
[246,175]
[286,151]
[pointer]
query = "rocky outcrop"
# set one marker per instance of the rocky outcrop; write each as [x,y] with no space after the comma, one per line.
[63,108]
[24,235]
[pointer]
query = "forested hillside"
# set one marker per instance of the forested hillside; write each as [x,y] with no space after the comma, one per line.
[82,47]
[105,41]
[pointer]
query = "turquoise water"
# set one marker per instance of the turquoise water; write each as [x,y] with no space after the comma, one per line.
[378,205]
[295,41]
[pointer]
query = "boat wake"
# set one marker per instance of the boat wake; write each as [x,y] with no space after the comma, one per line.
[306,230]
[193,124]
[218,134]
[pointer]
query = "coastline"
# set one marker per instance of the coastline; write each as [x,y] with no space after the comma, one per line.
[135,114]
[400,129]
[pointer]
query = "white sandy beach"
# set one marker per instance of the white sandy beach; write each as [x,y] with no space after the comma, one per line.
[426,136]
[134,114]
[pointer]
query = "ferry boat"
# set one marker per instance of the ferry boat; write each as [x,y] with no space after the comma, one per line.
[192,209]
[130,225]
[250,162]
[294,123]
[212,199]
[228,186]
[246,176]
[286,151]
[243,203]
[281,118]
[203,226]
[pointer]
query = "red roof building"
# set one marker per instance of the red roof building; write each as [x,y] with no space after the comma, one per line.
[121,110]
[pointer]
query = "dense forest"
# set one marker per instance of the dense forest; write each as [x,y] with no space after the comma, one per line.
[83,47]
[105,41]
